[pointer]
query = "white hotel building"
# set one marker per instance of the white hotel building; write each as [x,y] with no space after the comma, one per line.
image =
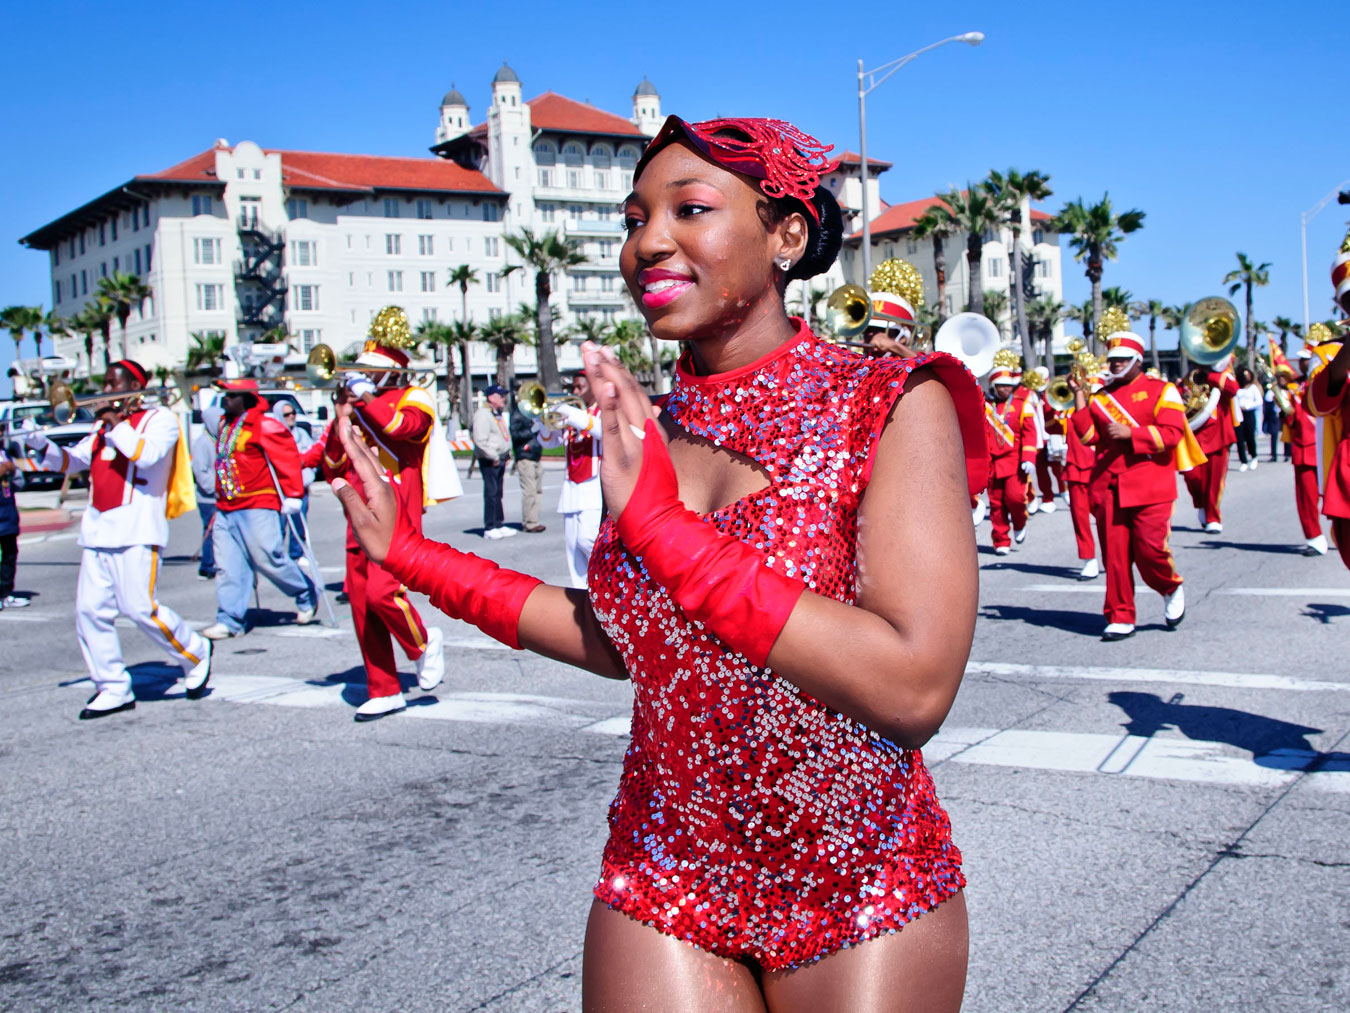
[239,239]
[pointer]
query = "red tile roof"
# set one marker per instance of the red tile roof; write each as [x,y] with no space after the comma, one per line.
[853,158]
[551,111]
[311,170]
[899,217]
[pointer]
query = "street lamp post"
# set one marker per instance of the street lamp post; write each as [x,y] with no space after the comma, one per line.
[868,82]
[1304,218]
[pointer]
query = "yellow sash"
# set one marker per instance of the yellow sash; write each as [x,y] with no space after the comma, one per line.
[1188,454]
[181,494]
[999,426]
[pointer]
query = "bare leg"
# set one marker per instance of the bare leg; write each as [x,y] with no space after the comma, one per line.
[920,968]
[631,966]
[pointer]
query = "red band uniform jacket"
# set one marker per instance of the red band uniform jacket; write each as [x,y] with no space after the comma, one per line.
[1142,468]
[261,438]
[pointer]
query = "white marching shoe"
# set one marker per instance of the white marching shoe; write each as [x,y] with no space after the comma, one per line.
[303,617]
[979,512]
[1213,528]
[1117,631]
[1002,550]
[1048,506]
[1316,546]
[1243,468]
[1174,607]
[196,677]
[219,631]
[1033,508]
[431,665]
[106,702]
[1019,535]
[1090,569]
[381,706]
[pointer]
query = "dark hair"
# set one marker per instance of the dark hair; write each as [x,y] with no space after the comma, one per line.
[1244,375]
[823,238]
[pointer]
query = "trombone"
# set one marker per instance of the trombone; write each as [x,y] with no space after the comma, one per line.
[65,405]
[537,403]
[322,368]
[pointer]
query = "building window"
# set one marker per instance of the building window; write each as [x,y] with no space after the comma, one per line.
[145,215]
[138,261]
[393,244]
[493,246]
[1037,236]
[428,281]
[306,297]
[574,178]
[995,267]
[201,206]
[494,313]
[395,281]
[628,157]
[117,264]
[102,234]
[544,154]
[297,208]
[600,158]
[490,212]
[205,251]
[81,244]
[1042,269]
[136,220]
[423,208]
[309,337]
[911,246]
[426,246]
[602,180]
[72,247]
[103,269]
[547,212]
[578,283]
[545,177]
[572,153]
[58,291]
[304,253]
[428,314]
[113,222]
[248,212]
[391,207]
[84,282]
[147,256]
[492,281]
[607,283]
[74,285]
[209,297]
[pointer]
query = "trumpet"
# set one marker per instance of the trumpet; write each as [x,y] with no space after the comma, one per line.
[537,403]
[322,368]
[65,405]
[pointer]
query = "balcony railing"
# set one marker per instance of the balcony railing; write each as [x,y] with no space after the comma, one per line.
[575,298]
[585,227]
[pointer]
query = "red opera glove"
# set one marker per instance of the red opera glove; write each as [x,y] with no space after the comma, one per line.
[717,580]
[460,584]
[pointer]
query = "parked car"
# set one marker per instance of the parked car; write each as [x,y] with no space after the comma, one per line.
[13,416]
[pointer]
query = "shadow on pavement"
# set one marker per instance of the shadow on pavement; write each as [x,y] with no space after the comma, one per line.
[1279,548]
[1324,612]
[1086,623]
[1066,572]
[1282,745]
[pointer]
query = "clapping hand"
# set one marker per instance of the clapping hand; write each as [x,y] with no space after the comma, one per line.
[374,517]
[625,411]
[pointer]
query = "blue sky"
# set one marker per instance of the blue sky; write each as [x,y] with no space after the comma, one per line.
[1221,121]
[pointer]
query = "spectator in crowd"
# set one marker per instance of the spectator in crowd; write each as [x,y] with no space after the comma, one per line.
[11,480]
[285,413]
[528,451]
[492,447]
[1250,397]
[203,452]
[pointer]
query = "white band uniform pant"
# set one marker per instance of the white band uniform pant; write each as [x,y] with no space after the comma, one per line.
[122,582]
[579,531]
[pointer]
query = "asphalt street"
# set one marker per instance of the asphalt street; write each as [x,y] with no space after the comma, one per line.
[1159,823]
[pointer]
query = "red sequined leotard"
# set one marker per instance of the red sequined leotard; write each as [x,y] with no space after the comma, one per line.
[751,820]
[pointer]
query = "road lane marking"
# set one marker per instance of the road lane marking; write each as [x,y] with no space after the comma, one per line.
[1091,673]
[1256,592]
[9,615]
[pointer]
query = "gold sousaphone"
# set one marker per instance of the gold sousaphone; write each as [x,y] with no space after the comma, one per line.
[1209,332]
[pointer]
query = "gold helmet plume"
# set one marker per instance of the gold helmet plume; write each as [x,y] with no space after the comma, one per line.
[898,277]
[1113,319]
[390,329]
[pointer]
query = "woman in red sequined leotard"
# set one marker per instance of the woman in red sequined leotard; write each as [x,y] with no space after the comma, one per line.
[788,576]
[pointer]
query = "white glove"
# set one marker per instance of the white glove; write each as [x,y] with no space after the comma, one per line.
[575,418]
[32,437]
[290,506]
[1028,468]
[358,384]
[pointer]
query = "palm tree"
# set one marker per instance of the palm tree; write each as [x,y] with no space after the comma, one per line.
[807,300]
[1118,297]
[463,276]
[440,336]
[466,333]
[55,325]
[1010,190]
[627,337]
[18,320]
[1094,232]
[593,329]
[995,307]
[973,211]
[1172,316]
[1084,317]
[207,350]
[1247,275]
[936,224]
[544,254]
[1042,316]
[1152,309]
[123,291]
[504,334]
[1285,326]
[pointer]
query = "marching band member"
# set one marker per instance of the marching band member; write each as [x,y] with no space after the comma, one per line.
[1328,396]
[258,476]
[1025,402]
[1078,461]
[1300,431]
[896,288]
[1011,434]
[396,422]
[1138,427]
[1050,456]
[1215,435]
[139,478]
[581,503]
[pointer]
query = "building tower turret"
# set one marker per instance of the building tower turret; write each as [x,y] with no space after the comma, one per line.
[510,159]
[454,116]
[647,108]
